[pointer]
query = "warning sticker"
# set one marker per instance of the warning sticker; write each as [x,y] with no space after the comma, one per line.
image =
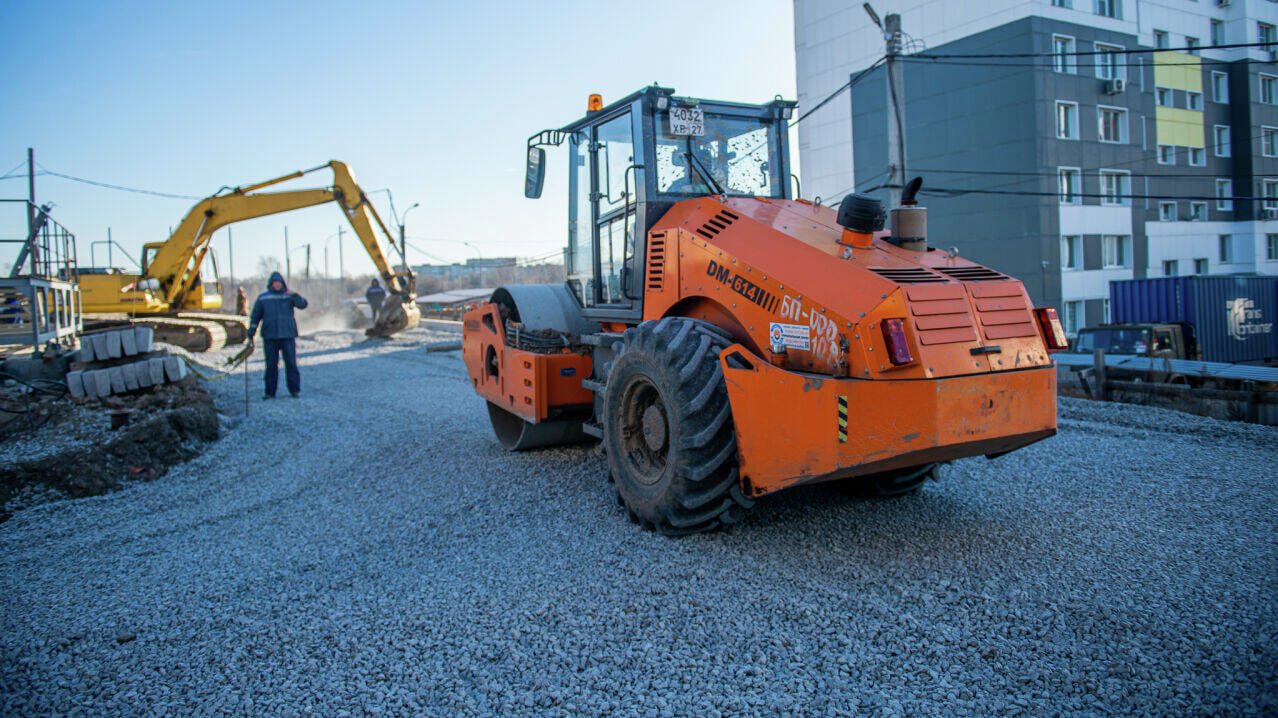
[791,336]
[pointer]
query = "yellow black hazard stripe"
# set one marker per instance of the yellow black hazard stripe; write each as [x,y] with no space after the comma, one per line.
[843,419]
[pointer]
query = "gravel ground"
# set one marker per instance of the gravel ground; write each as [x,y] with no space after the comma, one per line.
[369,549]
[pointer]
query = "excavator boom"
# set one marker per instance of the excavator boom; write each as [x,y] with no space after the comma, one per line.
[170,282]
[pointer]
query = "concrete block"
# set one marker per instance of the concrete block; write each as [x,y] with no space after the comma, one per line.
[156,367]
[115,349]
[131,375]
[75,383]
[143,337]
[143,371]
[174,368]
[86,350]
[128,342]
[99,345]
[97,382]
[116,374]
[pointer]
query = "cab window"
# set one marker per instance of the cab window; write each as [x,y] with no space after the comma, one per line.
[741,154]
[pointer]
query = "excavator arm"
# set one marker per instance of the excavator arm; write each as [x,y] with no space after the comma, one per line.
[175,267]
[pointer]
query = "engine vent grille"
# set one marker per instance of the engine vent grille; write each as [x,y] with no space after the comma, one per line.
[972,274]
[657,262]
[717,224]
[907,275]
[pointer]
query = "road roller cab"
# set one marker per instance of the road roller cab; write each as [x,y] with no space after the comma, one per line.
[725,340]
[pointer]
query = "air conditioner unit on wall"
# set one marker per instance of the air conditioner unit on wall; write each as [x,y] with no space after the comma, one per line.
[1269,214]
[1115,86]
[1222,3]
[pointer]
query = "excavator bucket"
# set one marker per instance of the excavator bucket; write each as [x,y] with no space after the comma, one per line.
[400,312]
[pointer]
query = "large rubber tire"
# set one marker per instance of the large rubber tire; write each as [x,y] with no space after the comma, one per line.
[668,428]
[888,484]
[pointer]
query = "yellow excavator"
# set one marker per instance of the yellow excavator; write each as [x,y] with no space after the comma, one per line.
[171,296]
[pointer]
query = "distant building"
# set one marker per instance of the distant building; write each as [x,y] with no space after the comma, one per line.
[457,271]
[1188,133]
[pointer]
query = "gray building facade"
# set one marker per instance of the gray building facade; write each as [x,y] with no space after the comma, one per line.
[1089,167]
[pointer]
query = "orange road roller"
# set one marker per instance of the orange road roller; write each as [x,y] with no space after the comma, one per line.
[724,340]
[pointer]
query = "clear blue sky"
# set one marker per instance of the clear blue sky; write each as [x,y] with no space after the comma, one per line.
[432,100]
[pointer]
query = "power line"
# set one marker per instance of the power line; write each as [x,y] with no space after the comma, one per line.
[1117,51]
[846,86]
[1176,176]
[945,192]
[953,63]
[114,186]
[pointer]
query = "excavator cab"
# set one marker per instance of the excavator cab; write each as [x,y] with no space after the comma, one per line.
[725,340]
[630,162]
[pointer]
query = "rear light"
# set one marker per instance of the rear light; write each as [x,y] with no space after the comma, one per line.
[894,337]
[1053,332]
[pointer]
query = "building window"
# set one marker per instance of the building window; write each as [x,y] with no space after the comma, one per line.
[1063,3]
[1115,250]
[1069,186]
[1197,157]
[1108,61]
[1163,96]
[1226,248]
[1166,155]
[1197,211]
[1269,141]
[1171,268]
[1166,211]
[1200,265]
[1107,8]
[1271,246]
[1217,32]
[1224,195]
[1219,87]
[1192,44]
[1160,40]
[1269,191]
[1265,33]
[1115,187]
[1072,310]
[1269,89]
[1069,251]
[1113,124]
[1220,135]
[1067,120]
[1194,101]
[1063,58]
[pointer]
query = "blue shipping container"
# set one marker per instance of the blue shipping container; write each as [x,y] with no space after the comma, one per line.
[1233,316]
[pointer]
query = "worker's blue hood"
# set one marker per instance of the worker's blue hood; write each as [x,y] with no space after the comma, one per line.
[274,277]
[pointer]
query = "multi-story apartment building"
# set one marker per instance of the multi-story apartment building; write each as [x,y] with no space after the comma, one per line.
[1091,163]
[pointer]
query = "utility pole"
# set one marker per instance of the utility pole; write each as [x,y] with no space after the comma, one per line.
[110,263]
[308,262]
[341,266]
[895,108]
[31,213]
[288,263]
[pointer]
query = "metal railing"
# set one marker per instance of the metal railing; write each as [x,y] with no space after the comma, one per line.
[39,289]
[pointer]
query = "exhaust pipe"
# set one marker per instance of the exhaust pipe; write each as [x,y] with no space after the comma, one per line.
[909,221]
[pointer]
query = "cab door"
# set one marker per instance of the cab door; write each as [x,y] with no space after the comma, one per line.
[603,189]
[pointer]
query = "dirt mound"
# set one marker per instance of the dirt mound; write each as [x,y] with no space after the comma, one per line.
[75,453]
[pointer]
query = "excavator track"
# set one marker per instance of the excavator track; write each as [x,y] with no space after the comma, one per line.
[236,326]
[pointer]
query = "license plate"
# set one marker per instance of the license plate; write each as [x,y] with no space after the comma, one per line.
[687,121]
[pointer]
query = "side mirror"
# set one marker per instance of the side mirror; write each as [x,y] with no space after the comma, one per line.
[535,175]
